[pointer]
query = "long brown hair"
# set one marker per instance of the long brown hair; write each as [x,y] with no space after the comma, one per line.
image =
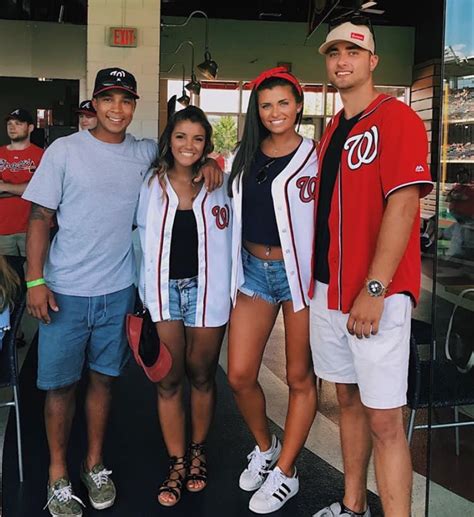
[9,284]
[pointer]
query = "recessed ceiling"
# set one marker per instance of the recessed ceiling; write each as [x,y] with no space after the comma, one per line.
[63,11]
[396,12]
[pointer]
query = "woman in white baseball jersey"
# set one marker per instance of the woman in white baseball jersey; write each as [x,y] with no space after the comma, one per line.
[185,233]
[272,184]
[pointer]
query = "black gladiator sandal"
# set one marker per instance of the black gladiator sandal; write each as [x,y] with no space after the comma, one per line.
[174,484]
[196,453]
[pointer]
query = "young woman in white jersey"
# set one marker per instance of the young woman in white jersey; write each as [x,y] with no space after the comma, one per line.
[185,234]
[272,183]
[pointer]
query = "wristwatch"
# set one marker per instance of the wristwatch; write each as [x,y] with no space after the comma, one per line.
[375,287]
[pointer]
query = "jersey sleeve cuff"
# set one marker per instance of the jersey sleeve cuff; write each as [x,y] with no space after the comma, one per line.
[426,187]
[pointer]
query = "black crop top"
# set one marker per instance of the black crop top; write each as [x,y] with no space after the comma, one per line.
[258,213]
[184,246]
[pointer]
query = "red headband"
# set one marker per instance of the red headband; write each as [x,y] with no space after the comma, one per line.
[279,71]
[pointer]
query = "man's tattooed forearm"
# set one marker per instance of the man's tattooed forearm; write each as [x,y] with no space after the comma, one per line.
[40,213]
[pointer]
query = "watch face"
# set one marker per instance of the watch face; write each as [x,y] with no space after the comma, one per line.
[375,288]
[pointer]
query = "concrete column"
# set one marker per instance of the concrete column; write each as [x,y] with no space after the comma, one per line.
[143,61]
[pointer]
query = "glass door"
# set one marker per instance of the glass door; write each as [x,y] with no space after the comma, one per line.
[451,416]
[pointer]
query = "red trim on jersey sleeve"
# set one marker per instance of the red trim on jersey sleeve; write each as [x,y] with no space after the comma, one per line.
[403,151]
[207,261]
[160,252]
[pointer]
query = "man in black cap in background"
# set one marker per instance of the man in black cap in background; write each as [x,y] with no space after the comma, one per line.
[18,161]
[87,115]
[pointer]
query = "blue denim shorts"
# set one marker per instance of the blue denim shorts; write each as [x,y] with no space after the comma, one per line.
[183,300]
[86,331]
[265,279]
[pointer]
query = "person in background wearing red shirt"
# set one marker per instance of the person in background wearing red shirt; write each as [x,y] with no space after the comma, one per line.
[367,268]
[18,162]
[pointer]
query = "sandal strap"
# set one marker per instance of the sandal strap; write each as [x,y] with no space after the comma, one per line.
[177,464]
[195,462]
[170,490]
[195,451]
[197,447]
[197,477]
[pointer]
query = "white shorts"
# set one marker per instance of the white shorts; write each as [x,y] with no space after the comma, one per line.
[378,365]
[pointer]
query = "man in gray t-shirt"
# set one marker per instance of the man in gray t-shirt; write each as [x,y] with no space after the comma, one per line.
[82,288]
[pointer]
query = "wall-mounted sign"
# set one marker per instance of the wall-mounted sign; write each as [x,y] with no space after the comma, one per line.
[122,36]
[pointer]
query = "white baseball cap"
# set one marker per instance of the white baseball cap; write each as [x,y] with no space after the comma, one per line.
[359,35]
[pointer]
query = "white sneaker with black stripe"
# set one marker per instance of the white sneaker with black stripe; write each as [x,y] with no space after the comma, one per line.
[259,465]
[275,492]
[335,510]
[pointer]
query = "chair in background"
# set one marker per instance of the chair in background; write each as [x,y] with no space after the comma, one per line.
[9,371]
[449,388]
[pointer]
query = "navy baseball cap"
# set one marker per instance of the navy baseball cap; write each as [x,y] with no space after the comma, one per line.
[20,114]
[115,79]
[86,108]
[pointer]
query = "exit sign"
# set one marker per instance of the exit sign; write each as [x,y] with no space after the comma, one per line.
[123,37]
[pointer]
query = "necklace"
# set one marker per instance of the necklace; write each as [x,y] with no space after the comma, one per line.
[275,151]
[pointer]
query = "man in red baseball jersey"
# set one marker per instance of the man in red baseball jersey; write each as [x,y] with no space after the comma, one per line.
[366,268]
[18,161]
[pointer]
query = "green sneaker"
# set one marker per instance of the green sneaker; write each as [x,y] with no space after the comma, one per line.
[100,487]
[61,500]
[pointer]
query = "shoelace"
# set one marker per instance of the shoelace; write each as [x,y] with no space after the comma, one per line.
[257,462]
[64,495]
[327,513]
[273,481]
[101,478]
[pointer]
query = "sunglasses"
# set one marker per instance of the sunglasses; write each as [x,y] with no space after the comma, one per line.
[261,176]
[356,19]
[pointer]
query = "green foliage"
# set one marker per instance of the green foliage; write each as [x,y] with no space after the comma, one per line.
[225,134]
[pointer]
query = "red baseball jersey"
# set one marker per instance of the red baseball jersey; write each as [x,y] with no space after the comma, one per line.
[17,167]
[385,150]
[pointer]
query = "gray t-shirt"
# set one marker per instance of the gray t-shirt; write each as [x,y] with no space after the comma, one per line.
[94,188]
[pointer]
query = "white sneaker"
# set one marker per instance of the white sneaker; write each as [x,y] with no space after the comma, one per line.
[259,465]
[275,492]
[335,510]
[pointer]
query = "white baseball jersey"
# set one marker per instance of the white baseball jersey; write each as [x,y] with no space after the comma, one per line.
[155,217]
[293,198]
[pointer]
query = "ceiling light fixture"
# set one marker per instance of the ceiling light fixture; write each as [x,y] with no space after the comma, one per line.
[194,85]
[208,67]
[185,99]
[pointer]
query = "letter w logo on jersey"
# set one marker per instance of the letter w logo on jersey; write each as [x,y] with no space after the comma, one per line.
[222,215]
[307,187]
[362,148]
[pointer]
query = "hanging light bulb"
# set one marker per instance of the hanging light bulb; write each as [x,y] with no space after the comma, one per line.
[208,67]
[185,99]
[194,85]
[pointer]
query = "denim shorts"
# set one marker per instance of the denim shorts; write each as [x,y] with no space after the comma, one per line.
[183,300]
[265,279]
[86,331]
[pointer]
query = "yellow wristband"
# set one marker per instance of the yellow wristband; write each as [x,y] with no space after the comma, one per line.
[34,283]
